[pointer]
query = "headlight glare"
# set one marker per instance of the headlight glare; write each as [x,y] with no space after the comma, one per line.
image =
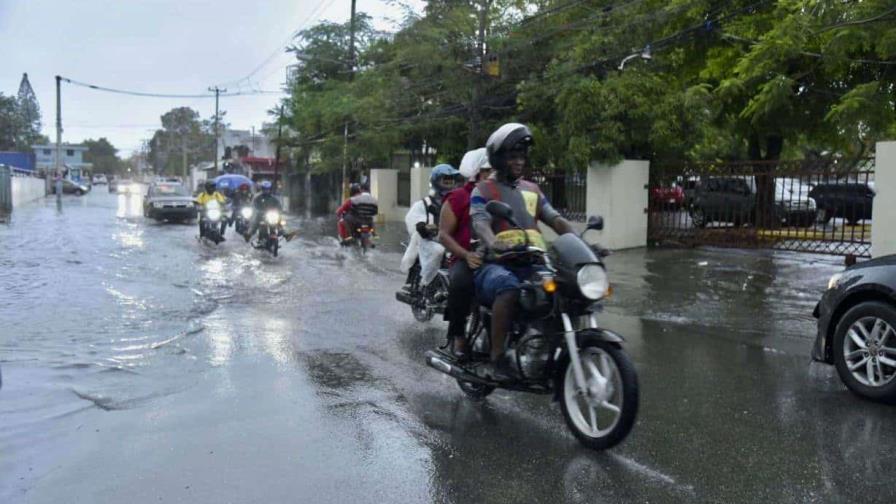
[272,217]
[246,212]
[834,281]
[593,281]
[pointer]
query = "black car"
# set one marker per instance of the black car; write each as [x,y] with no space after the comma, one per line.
[857,328]
[168,201]
[733,200]
[69,187]
[850,201]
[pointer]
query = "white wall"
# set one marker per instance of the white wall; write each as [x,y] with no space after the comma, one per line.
[25,189]
[883,236]
[419,183]
[384,187]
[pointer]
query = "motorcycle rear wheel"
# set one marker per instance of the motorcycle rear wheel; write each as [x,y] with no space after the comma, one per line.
[601,360]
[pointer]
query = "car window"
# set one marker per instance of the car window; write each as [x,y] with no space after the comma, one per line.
[170,190]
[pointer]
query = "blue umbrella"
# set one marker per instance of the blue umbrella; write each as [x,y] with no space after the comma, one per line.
[232,181]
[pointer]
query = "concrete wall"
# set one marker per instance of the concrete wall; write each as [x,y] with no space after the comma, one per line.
[384,187]
[25,189]
[419,183]
[883,233]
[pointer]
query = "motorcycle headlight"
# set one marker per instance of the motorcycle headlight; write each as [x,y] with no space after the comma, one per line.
[835,281]
[246,212]
[213,210]
[593,281]
[272,217]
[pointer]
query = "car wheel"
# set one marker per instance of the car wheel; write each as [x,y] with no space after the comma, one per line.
[823,216]
[79,192]
[864,349]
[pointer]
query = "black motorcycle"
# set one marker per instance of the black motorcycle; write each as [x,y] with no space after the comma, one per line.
[242,218]
[559,347]
[270,232]
[426,300]
[210,222]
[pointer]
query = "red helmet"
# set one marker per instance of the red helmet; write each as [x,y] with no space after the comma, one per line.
[244,187]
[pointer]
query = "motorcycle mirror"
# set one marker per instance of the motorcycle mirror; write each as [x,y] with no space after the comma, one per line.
[595,222]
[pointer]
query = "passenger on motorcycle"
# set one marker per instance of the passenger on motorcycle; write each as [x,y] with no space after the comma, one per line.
[263,202]
[498,285]
[455,233]
[358,210]
[210,194]
[422,220]
[241,197]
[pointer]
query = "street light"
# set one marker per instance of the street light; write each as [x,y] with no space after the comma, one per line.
[645,54]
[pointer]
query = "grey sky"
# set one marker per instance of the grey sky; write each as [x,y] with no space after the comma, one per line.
[163,46]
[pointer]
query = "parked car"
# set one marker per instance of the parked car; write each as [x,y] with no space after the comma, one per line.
[100,179]
[168,201]
[670,198]
[850,201]
[733,199]
[69,187]
[857,328]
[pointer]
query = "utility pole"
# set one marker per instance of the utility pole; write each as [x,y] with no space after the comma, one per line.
[58,137]
[277,154]
[351,77]
[217,92]
[475,117]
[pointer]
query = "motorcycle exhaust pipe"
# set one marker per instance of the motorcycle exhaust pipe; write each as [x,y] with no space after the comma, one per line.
[437,362]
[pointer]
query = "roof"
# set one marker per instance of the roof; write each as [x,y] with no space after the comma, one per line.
[64,146]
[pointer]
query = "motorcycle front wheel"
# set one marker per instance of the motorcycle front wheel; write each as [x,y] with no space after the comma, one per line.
[603,416]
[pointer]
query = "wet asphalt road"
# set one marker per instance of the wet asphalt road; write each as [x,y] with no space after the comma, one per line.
[142,366]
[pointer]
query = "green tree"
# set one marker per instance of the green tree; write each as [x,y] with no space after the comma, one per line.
[104,156]
[10,123]
[183,140]
[29,114]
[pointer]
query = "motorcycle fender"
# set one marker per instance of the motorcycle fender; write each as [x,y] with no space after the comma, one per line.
[563,356]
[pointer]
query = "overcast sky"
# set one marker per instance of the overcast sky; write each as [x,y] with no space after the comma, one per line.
[161,46]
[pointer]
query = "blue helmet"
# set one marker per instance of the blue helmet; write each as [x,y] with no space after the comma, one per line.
[266,186]
[443,178]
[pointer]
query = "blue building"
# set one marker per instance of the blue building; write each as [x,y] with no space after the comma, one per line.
[72,159]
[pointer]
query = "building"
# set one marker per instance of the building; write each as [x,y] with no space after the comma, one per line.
[72,159]
[252,143]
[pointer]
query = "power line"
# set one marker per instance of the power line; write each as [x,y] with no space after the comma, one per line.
[162,95]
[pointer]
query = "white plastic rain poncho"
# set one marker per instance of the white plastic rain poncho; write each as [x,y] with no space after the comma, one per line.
[430,251]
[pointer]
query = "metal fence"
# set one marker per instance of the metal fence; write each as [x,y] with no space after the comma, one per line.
[820,206]
[5,189]
[567,191]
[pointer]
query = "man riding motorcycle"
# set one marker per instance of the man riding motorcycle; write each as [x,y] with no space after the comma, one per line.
[241,197]
[263,202]
[358,210]
[455,233]
[211,194]
[422,219]
[497,285]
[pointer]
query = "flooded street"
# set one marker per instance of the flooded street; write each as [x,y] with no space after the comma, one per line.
[140,365]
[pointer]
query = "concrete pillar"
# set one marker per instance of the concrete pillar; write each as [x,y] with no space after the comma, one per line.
[619,194]
[384,187]
[419,183]
[883,233]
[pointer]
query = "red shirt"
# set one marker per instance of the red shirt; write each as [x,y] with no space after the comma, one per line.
[459,199]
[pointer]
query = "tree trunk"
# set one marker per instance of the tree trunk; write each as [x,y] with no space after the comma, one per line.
[766,212]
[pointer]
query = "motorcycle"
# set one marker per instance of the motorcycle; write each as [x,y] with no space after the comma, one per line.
[426,300]
[363,237]
[270,231]
[559,348]
[210,222]
[243,218]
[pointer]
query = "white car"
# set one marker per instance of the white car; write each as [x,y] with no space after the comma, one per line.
[100,179]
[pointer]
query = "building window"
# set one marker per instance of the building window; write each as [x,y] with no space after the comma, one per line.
[46,152]
[69,152]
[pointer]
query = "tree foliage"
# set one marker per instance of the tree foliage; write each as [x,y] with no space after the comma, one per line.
[183,139]
[103,155]
[726,79]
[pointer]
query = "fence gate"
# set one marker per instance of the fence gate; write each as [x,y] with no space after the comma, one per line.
[819,206]
[567,191]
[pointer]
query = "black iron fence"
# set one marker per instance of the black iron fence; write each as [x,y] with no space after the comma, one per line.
[567,191]
[820,206]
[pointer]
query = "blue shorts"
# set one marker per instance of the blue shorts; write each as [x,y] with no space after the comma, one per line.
[493,279]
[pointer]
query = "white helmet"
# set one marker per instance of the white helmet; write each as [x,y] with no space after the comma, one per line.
[505,138]
[472,162]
